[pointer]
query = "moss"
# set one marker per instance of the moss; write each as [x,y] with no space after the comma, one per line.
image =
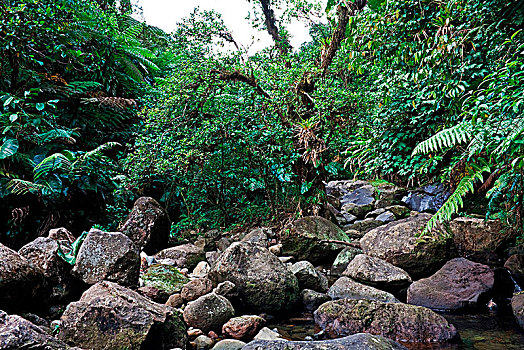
[164,277]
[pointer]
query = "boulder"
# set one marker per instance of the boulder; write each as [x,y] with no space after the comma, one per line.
[20,281]
[257,235]
[175,300]
[302,239]
[147,225]
[203,342]
[201,270]
[309,277]
[43,254]
[61,235]
[183,256]
[428,198]
[311,299]
[109,316]
[515,265]
[377,272]
[517,305]
[346,288]
[153,293]
[267,334]
[361,341]
[361,227]
[229,344]
[343,259]
[398,244]
[209,312]
[386,216]
[397,321]
[165,278]
[399,211]
[226,289]
[359,202]
[196,288]
[243,327]
[479,240]
[459,284]
[18,333]
[110,256]
[262,281]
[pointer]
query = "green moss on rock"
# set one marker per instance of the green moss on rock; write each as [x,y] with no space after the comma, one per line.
[165,278]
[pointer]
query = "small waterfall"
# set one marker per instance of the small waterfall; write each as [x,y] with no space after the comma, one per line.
[516,288]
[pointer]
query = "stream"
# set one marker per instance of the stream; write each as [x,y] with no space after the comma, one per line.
[493,330]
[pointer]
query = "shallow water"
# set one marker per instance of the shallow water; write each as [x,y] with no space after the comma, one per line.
[483,331]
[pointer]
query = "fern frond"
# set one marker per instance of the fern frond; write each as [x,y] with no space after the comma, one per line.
[131,69]
[53,162]
[455,202]
[20,187]
[52,135]
[446,138]
[97,153]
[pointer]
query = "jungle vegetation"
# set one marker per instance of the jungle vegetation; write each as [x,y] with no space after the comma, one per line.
[99,108]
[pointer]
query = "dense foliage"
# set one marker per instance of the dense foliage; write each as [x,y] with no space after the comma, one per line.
[403,90]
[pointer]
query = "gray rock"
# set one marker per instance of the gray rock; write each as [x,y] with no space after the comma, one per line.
[203,342]
[61,234]
[373,214]
[399,211]
[309,277]
[343,259]
[276,249]
[227,289]
[201,270]
[223,243]
[196,288]
[515,265]
[364,226]
[397,321]
[267,334]
[386,217]
[459,284]
[229,344]
[359,202]
[43,254]
[361,341]
[18,333]
[110,256]
[184,256]
[311,299]
[243,327]
[397,243]
[20,281]
[147,225]
[175,300]
[258,236]
[209,312]
[212,257]
[377,272]
[517,305]
[109,316]
[346,288]
[263,282]
[302,239]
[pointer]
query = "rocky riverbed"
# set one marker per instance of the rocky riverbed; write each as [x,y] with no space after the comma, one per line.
[360,278]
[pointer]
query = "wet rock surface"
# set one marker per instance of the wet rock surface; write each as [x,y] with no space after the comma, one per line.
[401,322]
[354,342]
[309,277]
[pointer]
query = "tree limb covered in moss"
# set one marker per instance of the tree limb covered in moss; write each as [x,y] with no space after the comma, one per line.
[282,43]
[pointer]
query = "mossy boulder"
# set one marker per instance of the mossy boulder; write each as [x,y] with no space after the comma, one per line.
[263,282]
[343,259]
[109,316]
[397,321]
[183,256]
[302,239]
[165,278]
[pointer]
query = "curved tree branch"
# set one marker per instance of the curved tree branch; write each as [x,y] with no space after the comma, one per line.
[282,43]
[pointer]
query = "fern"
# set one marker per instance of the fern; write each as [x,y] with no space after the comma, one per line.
[454,202]
[446,138]
[19,187]
[52,163]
